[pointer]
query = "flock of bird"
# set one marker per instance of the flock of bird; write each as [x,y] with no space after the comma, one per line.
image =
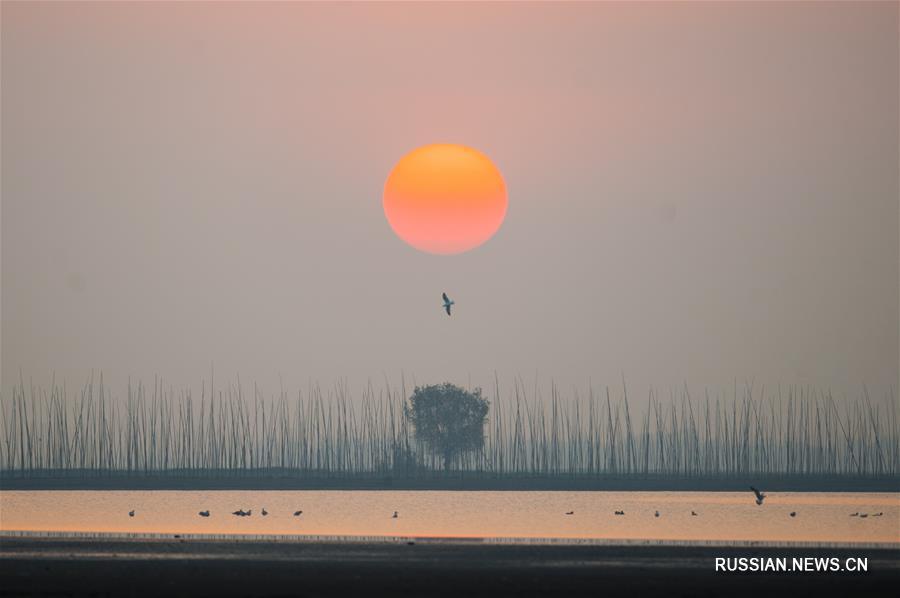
[249,513]
[760,497]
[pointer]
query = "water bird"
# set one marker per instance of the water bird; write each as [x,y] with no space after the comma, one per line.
[297,513]
[793,513]
[693,513]
[854,514]
[395,515]
[760,497]
[620,512]
[863,515]
[131,513]
[570,512]
[264,512]
[248,513]
[656,514]
[447,303]
[878,514]
[241,513]
[204,513]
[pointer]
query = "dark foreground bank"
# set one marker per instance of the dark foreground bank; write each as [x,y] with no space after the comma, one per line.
[469,481]
[66,567]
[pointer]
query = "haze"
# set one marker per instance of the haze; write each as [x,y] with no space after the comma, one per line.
[698,193]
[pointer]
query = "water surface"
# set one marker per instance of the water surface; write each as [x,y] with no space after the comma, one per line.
[721,516]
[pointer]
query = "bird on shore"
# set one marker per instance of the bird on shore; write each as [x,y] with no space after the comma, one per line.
[760,497]
[395,515]
[793,513]
[264,512]
[131,513]
[447,303]
[204,513]
[297,513]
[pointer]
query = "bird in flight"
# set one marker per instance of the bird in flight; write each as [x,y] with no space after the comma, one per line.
[759,495]
[447,303]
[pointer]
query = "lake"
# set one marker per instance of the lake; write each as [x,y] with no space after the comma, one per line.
[729,517]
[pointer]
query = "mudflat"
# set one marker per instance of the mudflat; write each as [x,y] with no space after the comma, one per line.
[193,567]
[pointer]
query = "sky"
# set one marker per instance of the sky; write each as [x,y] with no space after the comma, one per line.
[698,193]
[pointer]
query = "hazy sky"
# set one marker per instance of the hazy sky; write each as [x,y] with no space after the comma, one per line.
[697,192]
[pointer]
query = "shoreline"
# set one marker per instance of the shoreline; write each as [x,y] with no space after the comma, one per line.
[136,538]
[187,567]
[280,480]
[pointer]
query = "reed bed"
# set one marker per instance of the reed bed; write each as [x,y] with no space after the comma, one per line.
[791,431]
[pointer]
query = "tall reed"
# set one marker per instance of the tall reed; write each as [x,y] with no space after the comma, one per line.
[785,431]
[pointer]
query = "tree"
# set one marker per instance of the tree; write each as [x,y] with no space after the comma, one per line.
[448,419]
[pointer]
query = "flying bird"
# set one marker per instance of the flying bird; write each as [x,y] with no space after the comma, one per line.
[447,303]
[760,497]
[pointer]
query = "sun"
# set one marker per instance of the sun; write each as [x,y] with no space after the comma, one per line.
[445,198]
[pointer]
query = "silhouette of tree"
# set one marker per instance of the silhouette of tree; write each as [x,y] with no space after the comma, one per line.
[448,419]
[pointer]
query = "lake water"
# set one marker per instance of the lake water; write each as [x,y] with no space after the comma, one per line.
[721,516]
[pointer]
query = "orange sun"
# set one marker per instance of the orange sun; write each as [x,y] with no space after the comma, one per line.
[445,198]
